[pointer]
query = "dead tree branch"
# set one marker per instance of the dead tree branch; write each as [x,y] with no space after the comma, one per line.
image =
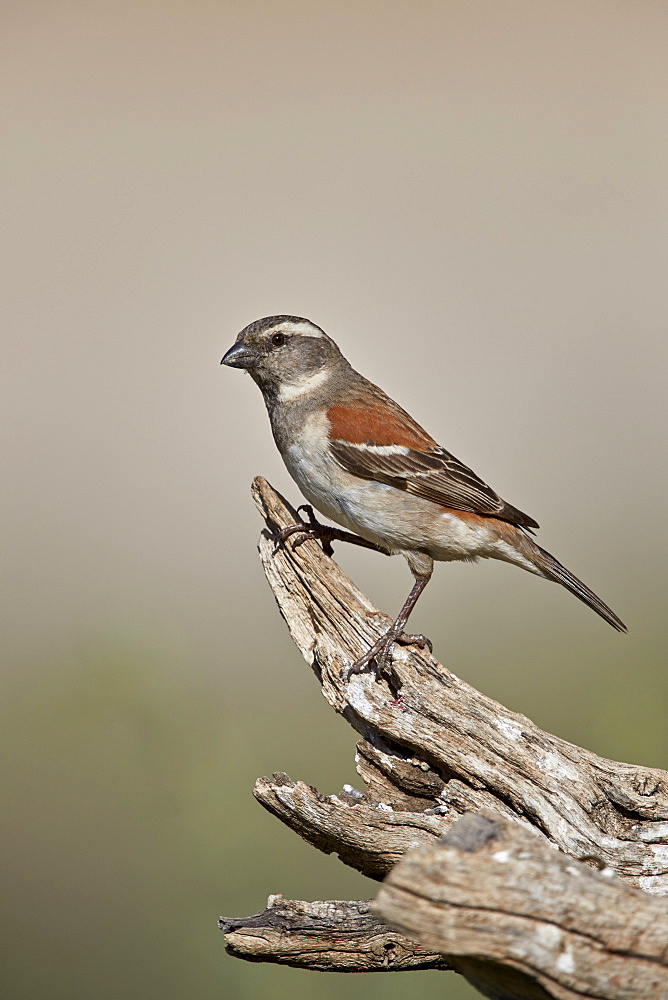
[434,748]
[493,894]
[332,936]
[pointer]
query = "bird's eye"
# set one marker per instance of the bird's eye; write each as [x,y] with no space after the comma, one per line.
[278,339]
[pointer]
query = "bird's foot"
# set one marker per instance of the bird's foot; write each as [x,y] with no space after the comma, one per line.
[378,657]
[415,639]
[311,529]
[374,659]
[323,533]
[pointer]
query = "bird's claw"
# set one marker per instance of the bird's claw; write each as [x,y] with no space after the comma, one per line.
[311,530]
[380,653]
[415,639]
[374,658]
[324,533]
[310,514]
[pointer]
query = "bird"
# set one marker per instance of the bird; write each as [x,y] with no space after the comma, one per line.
[363,462]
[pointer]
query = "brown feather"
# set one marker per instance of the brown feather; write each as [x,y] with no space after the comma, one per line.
[426,470]
[360,423]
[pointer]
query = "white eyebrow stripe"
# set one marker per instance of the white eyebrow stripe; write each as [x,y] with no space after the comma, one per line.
[288,393]
[304,329]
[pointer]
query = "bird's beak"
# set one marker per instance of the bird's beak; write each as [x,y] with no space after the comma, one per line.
[239,356]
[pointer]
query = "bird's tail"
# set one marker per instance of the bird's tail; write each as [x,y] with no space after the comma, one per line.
[553,570]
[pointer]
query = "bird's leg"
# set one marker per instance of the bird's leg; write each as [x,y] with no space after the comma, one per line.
[323,532]
[380,650]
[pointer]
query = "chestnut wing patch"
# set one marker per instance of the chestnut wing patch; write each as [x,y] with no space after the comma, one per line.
[433,474]
[384,425]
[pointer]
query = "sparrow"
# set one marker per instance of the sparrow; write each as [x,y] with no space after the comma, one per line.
[366,464]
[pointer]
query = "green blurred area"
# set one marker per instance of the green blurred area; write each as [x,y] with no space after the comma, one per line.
[130,826]
[130,823]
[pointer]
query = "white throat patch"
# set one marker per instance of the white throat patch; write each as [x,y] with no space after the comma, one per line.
[288,393]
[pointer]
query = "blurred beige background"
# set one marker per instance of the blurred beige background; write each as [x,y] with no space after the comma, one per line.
[471,198]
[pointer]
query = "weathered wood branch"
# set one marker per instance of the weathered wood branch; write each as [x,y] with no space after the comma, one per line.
[432,749]
[364,835]
[463,750]
[332,936]
[491,894]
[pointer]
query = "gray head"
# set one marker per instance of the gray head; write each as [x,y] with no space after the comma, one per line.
[287,356]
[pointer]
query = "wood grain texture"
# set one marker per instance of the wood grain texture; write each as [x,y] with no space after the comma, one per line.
[365,835]
[478,753]
[508,899]
[531,866]
[330,936]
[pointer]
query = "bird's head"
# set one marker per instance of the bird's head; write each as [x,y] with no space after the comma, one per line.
[287,356]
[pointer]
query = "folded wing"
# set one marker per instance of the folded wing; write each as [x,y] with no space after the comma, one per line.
[397,452]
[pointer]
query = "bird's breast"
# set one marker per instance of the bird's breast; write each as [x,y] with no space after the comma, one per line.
[315,472]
